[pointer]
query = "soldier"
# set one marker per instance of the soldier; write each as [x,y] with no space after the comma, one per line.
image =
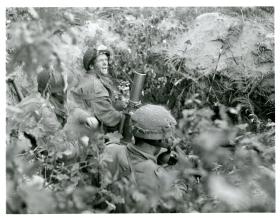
[54,86]
[51,85]
[152,128]
[96,91]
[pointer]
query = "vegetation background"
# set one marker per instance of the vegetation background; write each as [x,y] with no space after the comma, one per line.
[221,92]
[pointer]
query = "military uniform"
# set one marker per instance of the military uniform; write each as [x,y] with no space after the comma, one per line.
[64,105]
[60,112]
[122,161]
[149,123]
[95,94]
[53,83]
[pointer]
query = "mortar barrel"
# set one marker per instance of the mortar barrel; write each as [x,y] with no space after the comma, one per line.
[138,83]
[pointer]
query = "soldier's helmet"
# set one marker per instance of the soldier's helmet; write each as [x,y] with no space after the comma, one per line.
[52,82]
[92,53]
[152,122]
[47,81]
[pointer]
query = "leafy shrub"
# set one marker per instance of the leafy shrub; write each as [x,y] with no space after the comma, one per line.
[221,120]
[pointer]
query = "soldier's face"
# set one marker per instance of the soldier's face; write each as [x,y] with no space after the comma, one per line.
[102,64]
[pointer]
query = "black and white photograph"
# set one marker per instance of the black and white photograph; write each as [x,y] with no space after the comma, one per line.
[140,110]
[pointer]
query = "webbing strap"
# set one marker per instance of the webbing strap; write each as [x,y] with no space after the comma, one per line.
[130,166]
[84,96]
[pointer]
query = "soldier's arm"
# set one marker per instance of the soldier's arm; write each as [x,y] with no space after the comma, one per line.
[80,114]
[75,110]
[105,112]
[109,163]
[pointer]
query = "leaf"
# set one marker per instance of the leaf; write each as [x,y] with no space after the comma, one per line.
[36,182]
[110,206]
[12,110]
[138,197]
[61,177]
[235,198]
[267,181]
[211,139]
[37,201]
[13,200]
[75,167]
[69,17]
[33,13]
[31,169]
[32,54]
[23,143]
[114,137]
[242,126]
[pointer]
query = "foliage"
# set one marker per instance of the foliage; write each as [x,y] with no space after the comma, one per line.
[223,126]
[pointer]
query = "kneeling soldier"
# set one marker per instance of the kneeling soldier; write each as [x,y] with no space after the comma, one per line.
[152,128]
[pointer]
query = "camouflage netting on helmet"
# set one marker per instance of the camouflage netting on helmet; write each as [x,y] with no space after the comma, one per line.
[89,56]
[152,122]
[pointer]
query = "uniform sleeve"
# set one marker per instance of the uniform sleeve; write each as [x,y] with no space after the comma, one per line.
[109,164]
[105,112]
[49,120]
[114,163]
[79,114]
[75,110]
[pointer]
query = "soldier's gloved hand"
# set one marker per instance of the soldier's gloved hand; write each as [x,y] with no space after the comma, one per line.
[182,159]
[91,122]
[119,105]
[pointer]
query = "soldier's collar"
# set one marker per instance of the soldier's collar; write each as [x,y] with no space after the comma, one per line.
[140,153]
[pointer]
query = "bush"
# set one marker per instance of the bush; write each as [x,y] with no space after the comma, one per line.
[221,120]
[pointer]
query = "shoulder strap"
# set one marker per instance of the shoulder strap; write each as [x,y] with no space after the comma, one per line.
[130,166]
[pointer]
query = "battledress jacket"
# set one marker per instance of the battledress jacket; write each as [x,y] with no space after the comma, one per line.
[120,161]
[92,95]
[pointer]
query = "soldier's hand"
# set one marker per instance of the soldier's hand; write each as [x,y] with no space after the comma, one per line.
[91,122]
[181,157]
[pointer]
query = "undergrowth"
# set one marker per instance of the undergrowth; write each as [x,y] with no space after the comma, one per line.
[225,122]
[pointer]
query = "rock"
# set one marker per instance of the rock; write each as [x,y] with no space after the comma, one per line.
[246,48]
